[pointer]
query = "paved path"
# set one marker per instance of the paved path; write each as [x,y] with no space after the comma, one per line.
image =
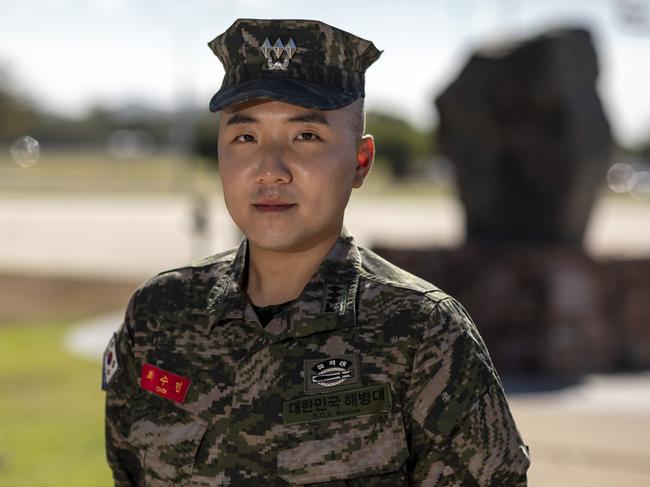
[135,237]
[594,434]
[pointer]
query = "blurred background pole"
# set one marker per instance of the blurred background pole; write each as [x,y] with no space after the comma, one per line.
[182,134]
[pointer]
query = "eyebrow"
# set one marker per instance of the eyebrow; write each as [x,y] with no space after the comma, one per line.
[239,118]
[309,117]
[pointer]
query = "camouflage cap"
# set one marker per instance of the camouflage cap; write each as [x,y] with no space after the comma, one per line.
[302,62]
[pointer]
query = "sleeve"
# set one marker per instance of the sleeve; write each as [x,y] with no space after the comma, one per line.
[123,457]
[460,428]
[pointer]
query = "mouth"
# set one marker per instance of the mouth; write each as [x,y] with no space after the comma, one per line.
[273,207]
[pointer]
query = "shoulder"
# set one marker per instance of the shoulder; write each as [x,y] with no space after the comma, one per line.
[392,291]
[186,286]
[400,297]
[200,269]
[206,264]
[386,277]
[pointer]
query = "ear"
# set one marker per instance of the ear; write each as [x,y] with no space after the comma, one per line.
[365,159]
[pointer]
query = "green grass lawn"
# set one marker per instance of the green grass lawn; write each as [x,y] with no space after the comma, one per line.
[97,172]
[51,411]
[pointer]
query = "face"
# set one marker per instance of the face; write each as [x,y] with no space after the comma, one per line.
[288,171]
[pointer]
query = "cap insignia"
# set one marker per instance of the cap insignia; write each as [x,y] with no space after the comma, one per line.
[274,53]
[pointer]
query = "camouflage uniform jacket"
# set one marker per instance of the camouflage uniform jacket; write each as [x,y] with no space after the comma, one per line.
[372,377]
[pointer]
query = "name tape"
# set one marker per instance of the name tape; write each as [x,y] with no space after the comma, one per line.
[354,402]
[163,383]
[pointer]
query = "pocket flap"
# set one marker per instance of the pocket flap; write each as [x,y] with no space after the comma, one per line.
[365,445]
[168,439]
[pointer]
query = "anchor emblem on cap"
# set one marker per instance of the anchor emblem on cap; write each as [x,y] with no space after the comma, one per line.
[278,55]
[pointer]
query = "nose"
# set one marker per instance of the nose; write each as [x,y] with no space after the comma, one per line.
[273,168]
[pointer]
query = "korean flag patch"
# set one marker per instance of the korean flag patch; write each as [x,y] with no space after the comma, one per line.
[110,365]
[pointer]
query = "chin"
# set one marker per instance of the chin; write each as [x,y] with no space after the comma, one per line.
[276,245]
[284,241]
[274,240]
[288,236]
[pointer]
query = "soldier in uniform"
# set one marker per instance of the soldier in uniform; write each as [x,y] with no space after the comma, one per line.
[300,358]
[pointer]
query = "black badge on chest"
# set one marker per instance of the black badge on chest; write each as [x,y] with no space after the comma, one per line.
[339,372]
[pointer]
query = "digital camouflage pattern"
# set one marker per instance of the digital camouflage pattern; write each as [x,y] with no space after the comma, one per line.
[427,408]
[326,70]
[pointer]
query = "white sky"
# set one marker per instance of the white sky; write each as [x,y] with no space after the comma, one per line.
[70,54]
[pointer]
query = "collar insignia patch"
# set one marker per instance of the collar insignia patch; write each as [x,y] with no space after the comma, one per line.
[331,372]
[278,55]
[335,299]
[110,365]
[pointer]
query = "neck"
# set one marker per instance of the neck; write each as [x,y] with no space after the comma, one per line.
[278,277]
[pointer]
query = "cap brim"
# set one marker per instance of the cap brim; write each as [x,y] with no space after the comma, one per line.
[288,90]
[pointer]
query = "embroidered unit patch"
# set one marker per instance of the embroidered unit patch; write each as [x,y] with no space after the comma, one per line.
[110,365]
[163,383]
[342,404]
[333,371]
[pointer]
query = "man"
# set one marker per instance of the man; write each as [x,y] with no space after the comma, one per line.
[300,358]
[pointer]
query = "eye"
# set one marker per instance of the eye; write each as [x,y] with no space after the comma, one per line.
[307,137]
[243,138]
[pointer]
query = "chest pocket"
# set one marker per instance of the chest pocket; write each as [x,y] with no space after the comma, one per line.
[167,439]
[364,450]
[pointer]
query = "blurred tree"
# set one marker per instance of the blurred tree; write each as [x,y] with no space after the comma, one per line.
[96,126]
[399,145]
[643,151]
[205,138]
[640,150]
[17,115]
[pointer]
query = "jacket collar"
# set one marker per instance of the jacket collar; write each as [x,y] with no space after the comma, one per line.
[327,302]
